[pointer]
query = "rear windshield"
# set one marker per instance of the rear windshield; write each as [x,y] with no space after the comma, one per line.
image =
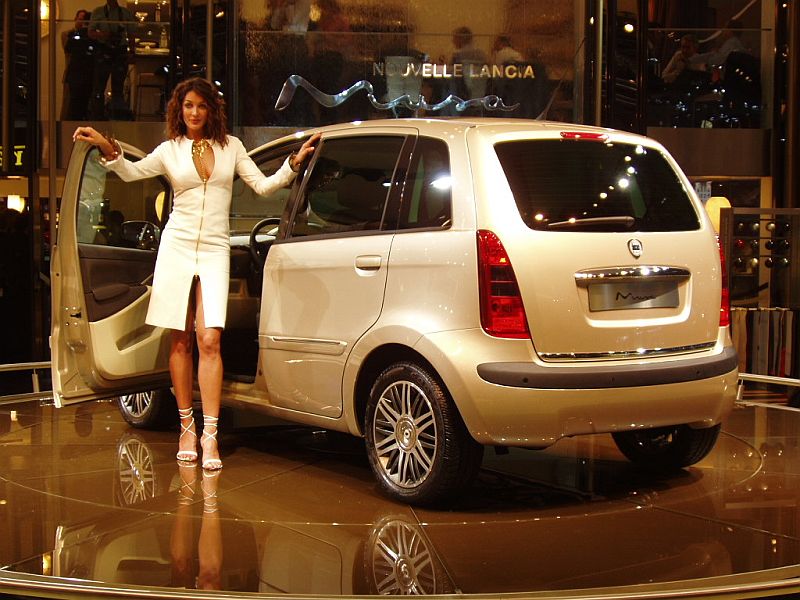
[578,185]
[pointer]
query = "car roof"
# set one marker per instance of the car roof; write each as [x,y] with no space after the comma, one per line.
[445,126]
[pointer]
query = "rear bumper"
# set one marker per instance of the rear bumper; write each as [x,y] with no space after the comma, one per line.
[500,408]
[531,375]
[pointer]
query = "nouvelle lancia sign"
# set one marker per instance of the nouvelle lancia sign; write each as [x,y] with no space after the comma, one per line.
[428,70]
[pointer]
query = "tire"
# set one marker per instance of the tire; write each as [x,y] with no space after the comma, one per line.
[672,447]
[417,445]
[152,409]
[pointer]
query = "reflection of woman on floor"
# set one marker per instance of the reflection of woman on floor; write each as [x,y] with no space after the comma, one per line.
[209,546]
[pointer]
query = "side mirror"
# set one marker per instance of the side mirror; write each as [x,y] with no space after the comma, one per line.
[143,235]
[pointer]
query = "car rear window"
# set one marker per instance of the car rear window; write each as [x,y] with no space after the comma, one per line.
[579,185]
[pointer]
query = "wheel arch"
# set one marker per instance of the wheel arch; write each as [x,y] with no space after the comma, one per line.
[372,365]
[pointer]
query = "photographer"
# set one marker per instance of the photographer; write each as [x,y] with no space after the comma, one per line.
[112,27]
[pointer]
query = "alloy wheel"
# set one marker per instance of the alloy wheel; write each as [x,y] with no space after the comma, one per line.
[136,404]
[404,433]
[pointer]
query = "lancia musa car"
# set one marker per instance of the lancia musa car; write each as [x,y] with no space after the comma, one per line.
[435,286]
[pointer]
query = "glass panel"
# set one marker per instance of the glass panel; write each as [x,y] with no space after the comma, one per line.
[114,68]
[521,50]
[709,64]
[348,187]
[112,212]
[591,186]
[427,200]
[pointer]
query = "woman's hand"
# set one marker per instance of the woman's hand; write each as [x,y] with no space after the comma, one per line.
[94,137]
[305,152]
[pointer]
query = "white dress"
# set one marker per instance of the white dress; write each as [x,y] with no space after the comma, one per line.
[196,239]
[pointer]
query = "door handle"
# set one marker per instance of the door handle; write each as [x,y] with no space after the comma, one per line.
[368,262]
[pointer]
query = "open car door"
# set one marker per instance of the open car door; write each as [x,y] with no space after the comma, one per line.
[101,273]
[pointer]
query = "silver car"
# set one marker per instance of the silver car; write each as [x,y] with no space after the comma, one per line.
[433,285]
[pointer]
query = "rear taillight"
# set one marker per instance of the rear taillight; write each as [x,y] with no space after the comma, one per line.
[725,303]
[502,312]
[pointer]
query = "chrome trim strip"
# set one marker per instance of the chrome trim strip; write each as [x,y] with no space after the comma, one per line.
[312,345]
[639,353]
[631,273]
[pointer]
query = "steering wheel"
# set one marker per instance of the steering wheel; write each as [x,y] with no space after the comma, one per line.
[260,257]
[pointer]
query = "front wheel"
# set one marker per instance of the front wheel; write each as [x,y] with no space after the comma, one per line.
[417,444]
[672,447]
[152,409]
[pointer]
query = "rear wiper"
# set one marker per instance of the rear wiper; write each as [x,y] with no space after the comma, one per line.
[625,220]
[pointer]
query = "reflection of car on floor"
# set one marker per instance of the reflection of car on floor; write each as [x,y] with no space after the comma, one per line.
[291,533]
[434,286]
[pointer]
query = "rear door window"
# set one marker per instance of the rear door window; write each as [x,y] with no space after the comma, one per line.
[426,198]
[577,185]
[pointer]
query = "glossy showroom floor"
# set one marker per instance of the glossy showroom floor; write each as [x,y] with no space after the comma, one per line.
[83,496]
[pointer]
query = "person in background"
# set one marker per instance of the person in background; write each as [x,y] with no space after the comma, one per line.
[729,40]
[190,283]
[504,52]
[685,58]
[467,54]
[79,52]
[112,27]
[330,45]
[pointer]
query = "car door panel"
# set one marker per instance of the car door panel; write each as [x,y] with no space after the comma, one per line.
[316,306]
[100,344]
[324,282]
[113,278]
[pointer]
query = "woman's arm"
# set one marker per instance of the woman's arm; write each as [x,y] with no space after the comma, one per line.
[263,185]
[112,157]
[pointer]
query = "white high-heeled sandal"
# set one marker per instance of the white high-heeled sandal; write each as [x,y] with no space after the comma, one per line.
[187,455]
[211,464]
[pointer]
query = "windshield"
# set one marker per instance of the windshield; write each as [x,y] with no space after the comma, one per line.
[578,185]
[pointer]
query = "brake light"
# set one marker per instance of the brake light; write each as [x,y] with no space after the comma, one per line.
[502,312]
[584,135]
[725,301]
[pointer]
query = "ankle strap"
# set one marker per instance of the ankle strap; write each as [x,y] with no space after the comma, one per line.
[185,413]
[210,421]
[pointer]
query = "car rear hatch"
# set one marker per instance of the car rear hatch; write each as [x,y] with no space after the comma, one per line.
[612,255]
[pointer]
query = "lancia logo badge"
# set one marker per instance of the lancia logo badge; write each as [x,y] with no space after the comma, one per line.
[635,248]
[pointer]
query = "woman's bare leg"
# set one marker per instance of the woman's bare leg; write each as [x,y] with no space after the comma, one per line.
[181,371]
[209,376]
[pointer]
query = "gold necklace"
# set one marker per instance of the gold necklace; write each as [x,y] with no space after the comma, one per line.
[198,150]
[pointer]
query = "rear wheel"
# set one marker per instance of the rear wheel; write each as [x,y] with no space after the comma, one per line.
[672,447]
[417,444]
[152,409]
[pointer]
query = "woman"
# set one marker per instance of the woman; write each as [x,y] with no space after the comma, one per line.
[190,283]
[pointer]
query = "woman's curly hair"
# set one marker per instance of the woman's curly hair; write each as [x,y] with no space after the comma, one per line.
[216,126]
